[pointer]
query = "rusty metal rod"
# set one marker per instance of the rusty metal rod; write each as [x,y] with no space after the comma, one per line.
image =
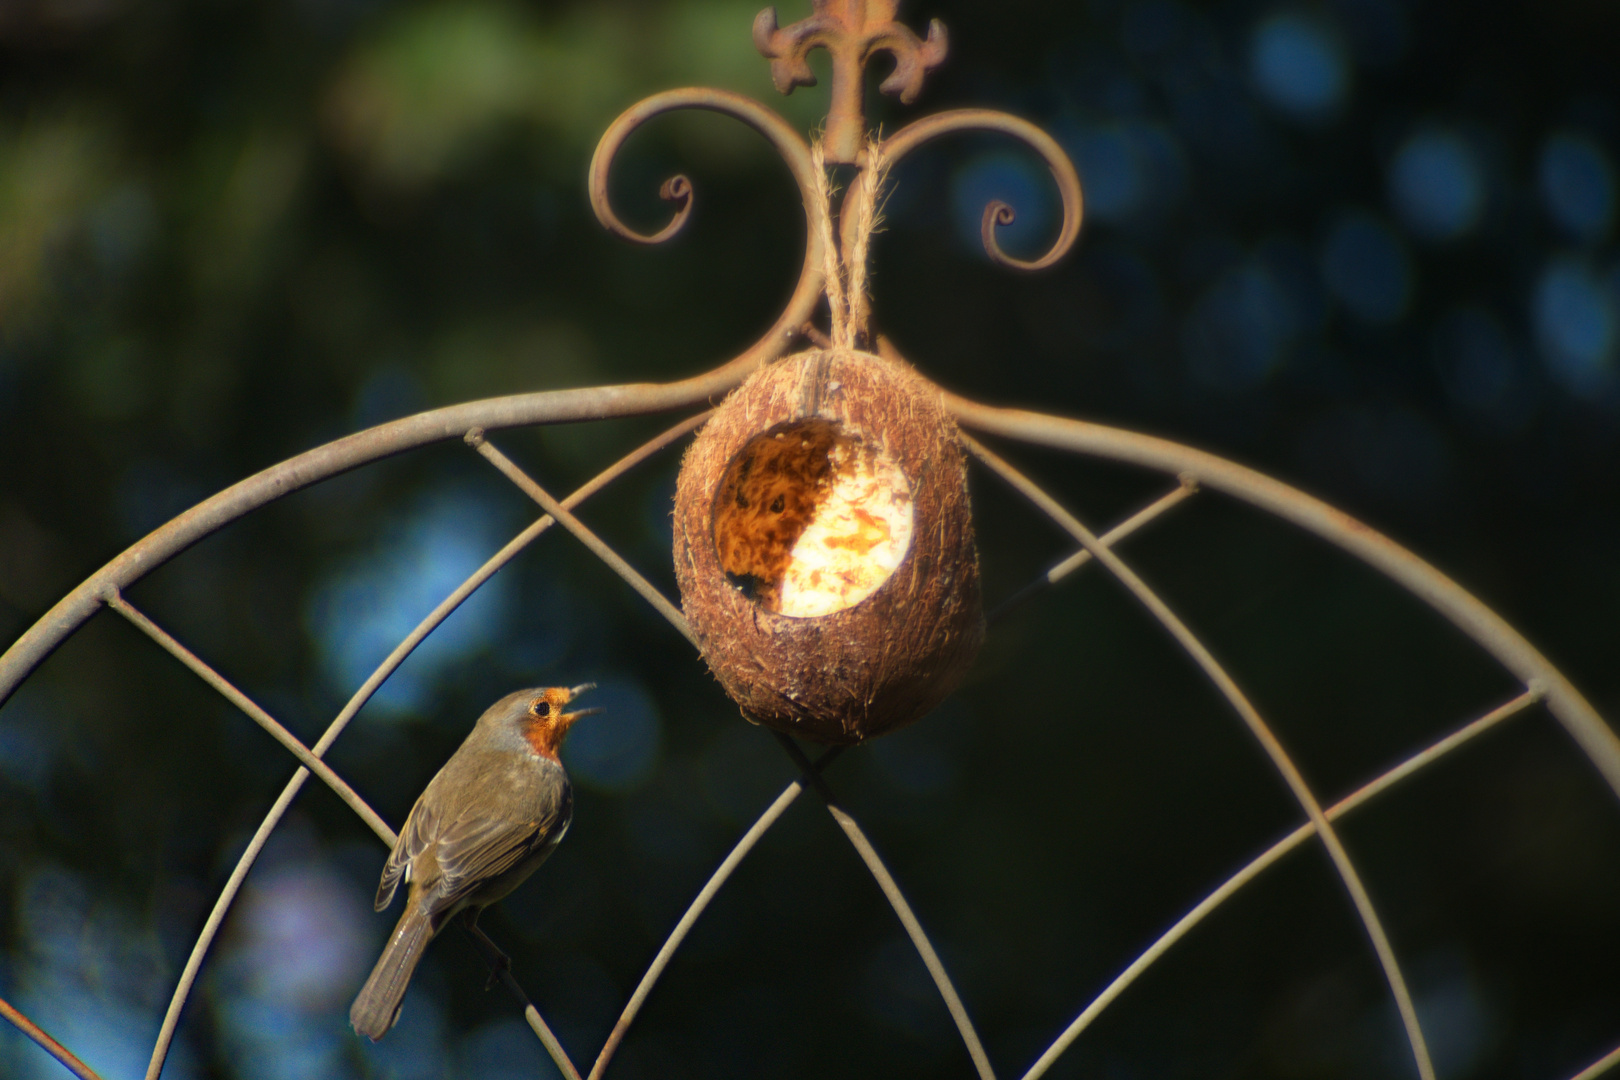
[1270,856]
[1486,628]
[61,1053]
[1257,725]
[998,213]
[1149,513]
[1600,1066]
[631,576]
[278,810]
[897,900]
[341,455]
[277,731]
[695,910]
[794,152]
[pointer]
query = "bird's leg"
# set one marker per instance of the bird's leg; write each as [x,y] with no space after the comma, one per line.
[498,961]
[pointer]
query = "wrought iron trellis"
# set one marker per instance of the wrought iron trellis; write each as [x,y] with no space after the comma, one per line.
[852,31]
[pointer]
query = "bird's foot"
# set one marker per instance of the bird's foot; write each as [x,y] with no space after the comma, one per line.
[499,963]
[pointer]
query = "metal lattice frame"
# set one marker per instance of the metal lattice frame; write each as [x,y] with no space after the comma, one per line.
[851,33]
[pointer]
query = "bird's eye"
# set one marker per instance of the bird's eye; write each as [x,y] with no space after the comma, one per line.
[541,708]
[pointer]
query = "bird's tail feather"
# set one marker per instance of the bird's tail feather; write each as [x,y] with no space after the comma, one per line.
[377,1006]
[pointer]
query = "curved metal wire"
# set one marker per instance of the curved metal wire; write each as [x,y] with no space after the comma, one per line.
[1487,629]
[695,910]
[12,1015]
[339,456]
[998,213]
[1280,758]
[1192,468]
[490,414]
[795,153]
[852,830]
[278,810]
[1227,889]
[1599,1067]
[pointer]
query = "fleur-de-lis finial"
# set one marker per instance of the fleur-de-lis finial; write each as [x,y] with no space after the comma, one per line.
[851,31]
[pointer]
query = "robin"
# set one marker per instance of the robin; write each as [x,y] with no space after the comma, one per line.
[485,822]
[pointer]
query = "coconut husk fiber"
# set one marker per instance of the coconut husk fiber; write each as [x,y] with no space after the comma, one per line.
[885,661]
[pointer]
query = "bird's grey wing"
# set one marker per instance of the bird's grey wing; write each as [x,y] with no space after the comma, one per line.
[419,830]
[474,850]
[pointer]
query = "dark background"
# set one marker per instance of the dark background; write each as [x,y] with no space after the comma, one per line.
[1366,246]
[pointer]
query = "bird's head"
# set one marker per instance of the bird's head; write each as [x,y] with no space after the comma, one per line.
[545,723]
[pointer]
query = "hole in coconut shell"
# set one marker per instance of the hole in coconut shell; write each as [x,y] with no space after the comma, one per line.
[811,519]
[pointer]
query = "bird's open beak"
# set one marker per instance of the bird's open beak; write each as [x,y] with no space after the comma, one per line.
[573,693]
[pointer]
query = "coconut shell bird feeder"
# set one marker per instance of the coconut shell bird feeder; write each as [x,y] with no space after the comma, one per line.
[824,546]
[823,533]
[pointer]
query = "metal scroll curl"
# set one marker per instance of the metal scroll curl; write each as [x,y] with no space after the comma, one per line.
[789,144]
[998,213]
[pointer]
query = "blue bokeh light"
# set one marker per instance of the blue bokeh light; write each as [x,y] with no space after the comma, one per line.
[1480,369]
[358,614]
[1109,173]
[1299,66]
[1239,332]
[1574,312]
[28,742]
[416,1048]
[298,950]
[304,936]
[1367,269]
[267,1040]
[1577,185]
[616,750]
[504,1050]
[1130,171]
[1016,180]
[92,977]
[1437,184]
[108,1036]
[1459,1022]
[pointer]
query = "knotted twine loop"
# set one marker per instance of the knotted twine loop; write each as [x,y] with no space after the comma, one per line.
[848,304]
[848,301]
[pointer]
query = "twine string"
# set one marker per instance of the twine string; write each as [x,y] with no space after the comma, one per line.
[848,300]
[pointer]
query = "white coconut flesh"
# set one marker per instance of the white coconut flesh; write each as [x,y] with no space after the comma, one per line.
[811,519]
